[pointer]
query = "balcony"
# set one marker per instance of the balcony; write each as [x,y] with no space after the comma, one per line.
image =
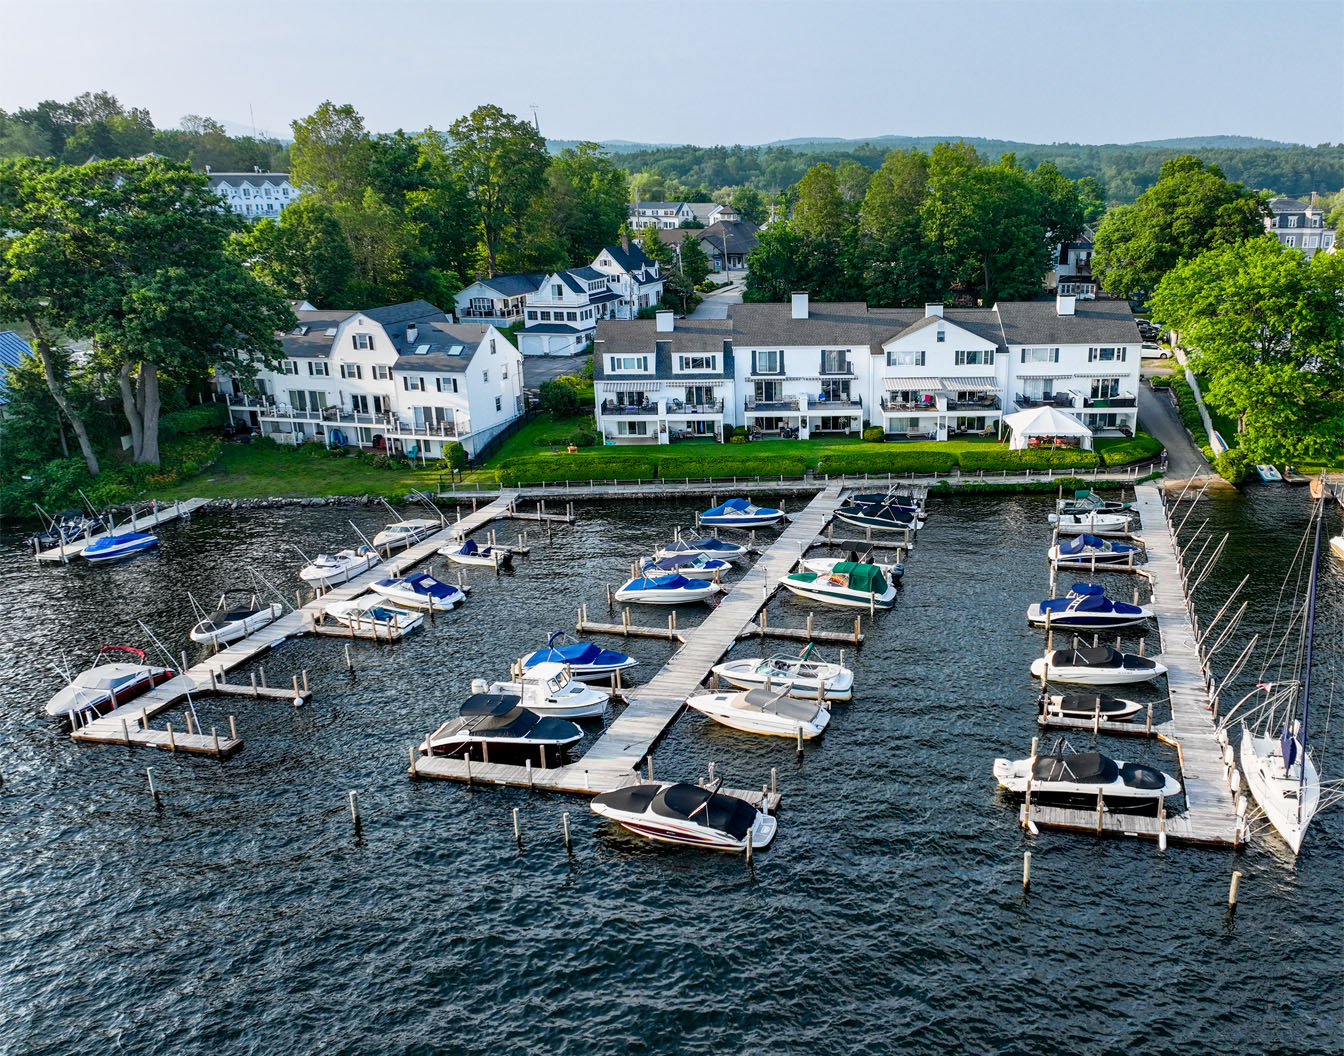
[844,370]
[838,405]
[1062,400]
[610,407]
[984,403]
[928,406]
[336,416]
[465,314]
[771,406]
[681,407]
[1127,400]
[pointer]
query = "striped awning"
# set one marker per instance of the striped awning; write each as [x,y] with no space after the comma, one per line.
[930,384]
[635,384]
[981,384]
[1044,377]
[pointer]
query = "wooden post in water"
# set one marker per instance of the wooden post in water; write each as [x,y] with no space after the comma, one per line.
[214,735]
[1232,889]
[1101,806]
[354,811]
[650,766]
[1026,870]
[190,728]
[748,846]
[466,758]
[564,821]
[517,835]
[261,676]
[154,795]
[172,740]
[233,730]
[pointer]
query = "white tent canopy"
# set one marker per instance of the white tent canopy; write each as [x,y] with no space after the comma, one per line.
[1046,422]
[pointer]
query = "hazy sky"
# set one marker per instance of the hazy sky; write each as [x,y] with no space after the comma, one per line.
[726,71]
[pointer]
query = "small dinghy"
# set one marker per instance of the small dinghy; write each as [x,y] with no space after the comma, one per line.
[1089,706]
[741,513]
[1268,473]
[1087,501]
[116,547]
[1086,608]
[673,589]
[373,612]
[401,534]
[850,583]
[686,563]
[468,553]
[585,660]
[707,547]
[825,565]
[108,683]
[1095,665]
[878,516]
[1077,778]
[1092,551]
[238,614]
[676,812]
[421,591]
[549,689]
[329,570]
[771,712]
[496,726]
[800,675]
[1091,523]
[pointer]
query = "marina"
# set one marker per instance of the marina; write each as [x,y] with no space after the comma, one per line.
[157,515]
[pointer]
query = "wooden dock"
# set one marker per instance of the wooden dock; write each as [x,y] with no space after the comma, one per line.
[615,759]
[158,515]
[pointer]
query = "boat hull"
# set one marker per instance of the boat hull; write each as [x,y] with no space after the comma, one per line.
[877,524]
[334,575]
[238,629]
[1084,621]
[1094,676]
[663,829]
[97,555]
[64,703]
[717,706]
[412,600]
[839,686]
[839,595]
[666,597]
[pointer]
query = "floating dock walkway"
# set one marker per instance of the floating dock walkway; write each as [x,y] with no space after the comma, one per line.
[158,515]
[614,760]
[1210,816]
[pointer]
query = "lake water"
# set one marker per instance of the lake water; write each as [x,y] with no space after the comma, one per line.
[243,915]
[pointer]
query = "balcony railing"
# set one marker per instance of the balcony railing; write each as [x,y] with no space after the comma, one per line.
[890,404]
[1063,400]
[761,406]
[682,407]
[839,404]
[1127,400]
[610,407]
[387,423]
[490,313]
[845,370]
[985,403]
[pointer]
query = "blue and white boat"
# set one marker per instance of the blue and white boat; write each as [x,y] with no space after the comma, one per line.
[586,661]
[1092,551]
[1268,473]
[686,563]
[673,589]
[1086,608]
[421,591]
[468,552]
[741,513]
[707,546]
[115,547]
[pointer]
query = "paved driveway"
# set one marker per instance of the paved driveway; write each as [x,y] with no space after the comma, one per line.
[537,369]
[1158,417]
[715,305]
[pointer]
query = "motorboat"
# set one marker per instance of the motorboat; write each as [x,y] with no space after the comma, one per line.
[373,611]
[1087,501]
[497,726]
[678,812]
[772,712]
[1268,473]
[1095,665]
[68,526]
[711,566]
[895,499]
[585,660]
[708,546]
[741,513]
[892,570]
[329,570]
[1091,523]
[1337,545]
[550,689]
[1086,608]
[880,517]
[1092,551]
[855,584]
[1089,706]
[112,547]
[404,533]
[468,552]
[1078,778]
[800,675]
[108,683]
[239,613]
[671,589]
[421,591]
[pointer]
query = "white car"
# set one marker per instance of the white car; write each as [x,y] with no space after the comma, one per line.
[1149,350]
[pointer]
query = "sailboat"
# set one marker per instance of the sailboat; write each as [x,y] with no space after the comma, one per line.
[1278,766]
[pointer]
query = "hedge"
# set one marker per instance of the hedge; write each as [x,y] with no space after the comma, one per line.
[193,420]
[994,459]
[888,459]
[1138,449]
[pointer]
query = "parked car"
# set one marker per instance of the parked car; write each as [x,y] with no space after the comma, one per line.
[1148,350]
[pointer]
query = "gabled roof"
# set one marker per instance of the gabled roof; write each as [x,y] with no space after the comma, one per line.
[513,285]
[448,347]
[309,339]
[588,273]
[1039,323]
[406,312]
[643,206]
[741,235]
[631,259]
[641,337]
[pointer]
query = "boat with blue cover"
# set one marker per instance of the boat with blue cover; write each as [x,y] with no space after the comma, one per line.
[1086,608]
[421,591]
[687,563]
[468,552]
[708,546]
[671,589]
[741,513]
[1092,551]
[114,547]
[585,660]
[496,727]
[851,583]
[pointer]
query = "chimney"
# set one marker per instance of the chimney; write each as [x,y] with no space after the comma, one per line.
[932,310]
[412,332]
[800,305]
[663,322]
[1064,304]
[625,239]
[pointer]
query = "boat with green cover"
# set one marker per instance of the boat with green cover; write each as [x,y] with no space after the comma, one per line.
[853,583]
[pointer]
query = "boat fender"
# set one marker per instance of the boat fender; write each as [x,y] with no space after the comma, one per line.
[478,685]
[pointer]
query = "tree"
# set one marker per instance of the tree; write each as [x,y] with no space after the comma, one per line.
[750,205]
[1190,209]
[589,199]
[303,254]
[381,246]
[1092,199]
[558,399]
[678,292]
[1060,208]
[503,163]
[1263,323]
[693,261]
[655,248]
[820,212]
[851,180]
[332,152]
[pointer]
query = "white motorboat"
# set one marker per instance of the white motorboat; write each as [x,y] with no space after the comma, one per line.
[1337,545]
[707,546]
[497,727]
[673,589]
[880,517]
[585,660]
[677,812]
[1090,523]
[1100,665]
[1077,778]
[550,689]
[771,712]
[468,552]
[1089,706]
[800,675]
[329,570]
[239,613]
[687,564]
[849,583]
[108,684]
[1086,608]
[1087,501]
[421,591]
[826,565]
[1092,551]
[401,534]
[374,612]
[741,513]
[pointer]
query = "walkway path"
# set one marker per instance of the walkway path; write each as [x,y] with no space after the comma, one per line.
[1158,417]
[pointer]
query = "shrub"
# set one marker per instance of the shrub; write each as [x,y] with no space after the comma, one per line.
[874,434]
[193,420]
[1232,465]
[559,399]
[890,459]
[994,459]
[1136,449]
[737,438]
[583,438]
[455,455]
[1161,381]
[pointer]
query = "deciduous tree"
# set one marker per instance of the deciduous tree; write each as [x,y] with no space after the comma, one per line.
[588,200]
[332,152]
[820,210]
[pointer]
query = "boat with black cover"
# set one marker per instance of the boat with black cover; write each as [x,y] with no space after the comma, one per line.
[881,517]
[1095,665]
[238,614]
[677,812]
[496,727]
[707,545]
[1089,706]
[1075,779]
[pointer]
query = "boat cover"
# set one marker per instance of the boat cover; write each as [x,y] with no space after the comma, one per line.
[775,703]
[422,583]
[676,581]
[634,799]
[668,564]
[490,704]
[733,506]
[1088,703]
[115,542]
[576,653]
[1079,767]
[1087,656]
[468,548]
[1080,543]
[707,543]
[877,511]
[725,813]
[862,577]
[1088,603]
[1087,588]
[1136,776]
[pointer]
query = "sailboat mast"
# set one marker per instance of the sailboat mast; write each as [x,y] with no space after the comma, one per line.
[1306,675]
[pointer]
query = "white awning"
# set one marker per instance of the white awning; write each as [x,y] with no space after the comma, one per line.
[981,384]
[931,384]
[636,384]
[1044,377]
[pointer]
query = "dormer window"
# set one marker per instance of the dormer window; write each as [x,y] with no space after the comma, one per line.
[623,363]
[557,292]
[363,342]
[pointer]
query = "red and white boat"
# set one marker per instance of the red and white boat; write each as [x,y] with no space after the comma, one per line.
[109,683]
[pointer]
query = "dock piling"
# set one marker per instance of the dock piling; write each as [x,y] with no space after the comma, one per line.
[413,754]
[748,846]
[517,836]
[233,731]
[172,739]
[1232,890]
[1026,870]
[564,821]
[354,811]
[154,794]
[772,782]
[125,732]
[349,664]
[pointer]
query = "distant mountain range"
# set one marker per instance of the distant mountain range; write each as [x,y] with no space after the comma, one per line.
[825,143]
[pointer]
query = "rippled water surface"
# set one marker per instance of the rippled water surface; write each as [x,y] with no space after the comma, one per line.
[243,915]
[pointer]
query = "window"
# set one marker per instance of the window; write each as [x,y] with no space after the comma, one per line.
[1040,355]
[532,316]
[382,404]
[362,341]
[359,403]
[618,363]
[770,362]
[942,335]
[291,367]
[445,384]
[974,357]
[1105,355]
[351,370]
[897,358]
[382,373]
[485,376]
[1292,221]
[317,370]
[557,292]
[1290,240]
[635,428]
[697,362]
[545,317]
[504,371]
[481,306]
[1105,388]
[835,389]
[499,403]
[834,361]
[413,384]
[492,346]
[572,317]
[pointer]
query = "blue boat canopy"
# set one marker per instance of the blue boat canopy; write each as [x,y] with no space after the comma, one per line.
[422,583]
[576,653]
[469,547]
[676,581]
[1087,588]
